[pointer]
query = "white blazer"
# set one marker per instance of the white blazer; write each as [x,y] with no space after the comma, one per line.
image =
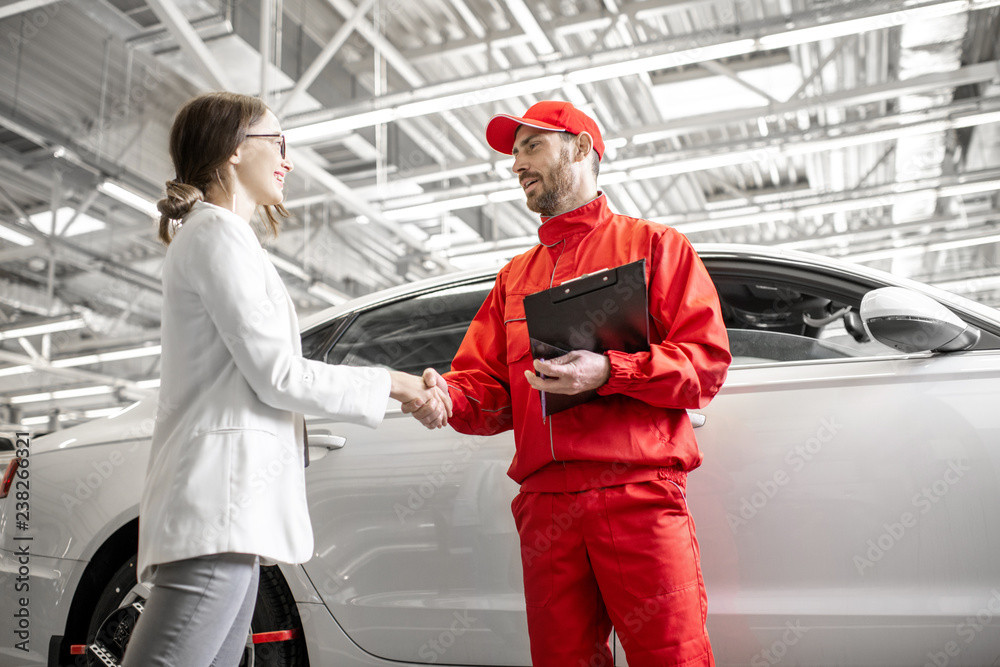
[226,469]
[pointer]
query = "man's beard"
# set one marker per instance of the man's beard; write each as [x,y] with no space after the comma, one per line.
[554,198]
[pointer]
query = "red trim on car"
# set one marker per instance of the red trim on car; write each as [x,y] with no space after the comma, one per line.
[278,636]
[78,649]
[8,476]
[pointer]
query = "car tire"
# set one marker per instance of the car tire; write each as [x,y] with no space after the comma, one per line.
[121,583]
[275,610]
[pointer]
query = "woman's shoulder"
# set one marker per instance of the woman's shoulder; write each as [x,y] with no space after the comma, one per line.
[210,224]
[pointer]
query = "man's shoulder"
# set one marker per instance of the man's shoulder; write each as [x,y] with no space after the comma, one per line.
[643,228]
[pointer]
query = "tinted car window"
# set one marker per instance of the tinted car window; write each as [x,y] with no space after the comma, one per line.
[316,343]
[412,334]
[771,322]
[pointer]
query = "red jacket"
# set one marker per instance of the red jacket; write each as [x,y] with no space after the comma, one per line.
[638,430]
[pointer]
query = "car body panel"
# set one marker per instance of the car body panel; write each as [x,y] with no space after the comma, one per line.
[432,546]
[877,549]
[801,521]
[50,584]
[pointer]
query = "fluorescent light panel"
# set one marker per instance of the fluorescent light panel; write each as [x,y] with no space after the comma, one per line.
[329,128]
[916,250]
[14,237]
[84,223]
[62,394]
[42,328]
[129,198]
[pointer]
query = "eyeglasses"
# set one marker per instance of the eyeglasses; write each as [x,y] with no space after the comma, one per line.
[272,136]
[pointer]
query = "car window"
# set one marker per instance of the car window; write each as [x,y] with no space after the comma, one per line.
[412,334]
[770,321]
[317,342]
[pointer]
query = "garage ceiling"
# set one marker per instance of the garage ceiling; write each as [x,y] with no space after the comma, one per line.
[869,131]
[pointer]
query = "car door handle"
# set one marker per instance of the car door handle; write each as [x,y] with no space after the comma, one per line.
[326,440]
[697,419]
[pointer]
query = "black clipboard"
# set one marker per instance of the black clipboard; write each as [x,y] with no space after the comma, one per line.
[601,311]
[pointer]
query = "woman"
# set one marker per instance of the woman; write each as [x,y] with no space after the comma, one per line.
[225,487]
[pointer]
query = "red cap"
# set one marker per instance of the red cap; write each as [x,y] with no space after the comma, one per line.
[547,115]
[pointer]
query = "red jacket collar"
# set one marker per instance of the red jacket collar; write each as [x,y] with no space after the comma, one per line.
[578,221]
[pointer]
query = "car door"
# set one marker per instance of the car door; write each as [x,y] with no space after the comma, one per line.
[848,508]
[416,554]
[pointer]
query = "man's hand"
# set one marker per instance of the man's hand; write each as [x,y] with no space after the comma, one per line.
[435,412]
[572,373]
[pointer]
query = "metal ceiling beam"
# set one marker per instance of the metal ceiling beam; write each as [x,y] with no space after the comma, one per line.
[316,66]
[15,8]
[266,10]
[880,235]
[43,366]
[529,24]
[600,66]
[348,198]
[800,205]
[965,113]
[172,17]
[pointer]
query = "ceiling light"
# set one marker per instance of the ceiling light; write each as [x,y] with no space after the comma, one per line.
[23,329]
[969,189]
[861,25]
[331,128]
[423,211]
[101,357]
[36,421]
[917,250]
[15,370]
[62,394]
[288,267]
[977,119]
[13,236]
[491,94]
[323,291]
[512,194]
[698,54]
[82,223]
[626,65]
[970,285]
[126,196]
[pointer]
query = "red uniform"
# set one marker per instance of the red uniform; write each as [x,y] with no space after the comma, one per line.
[605,534]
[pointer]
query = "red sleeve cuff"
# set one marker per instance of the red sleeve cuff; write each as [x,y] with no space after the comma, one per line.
[624,373]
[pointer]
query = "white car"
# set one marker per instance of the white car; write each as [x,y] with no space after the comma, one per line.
[848,508]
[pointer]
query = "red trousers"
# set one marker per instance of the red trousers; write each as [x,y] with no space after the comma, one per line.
[621,555]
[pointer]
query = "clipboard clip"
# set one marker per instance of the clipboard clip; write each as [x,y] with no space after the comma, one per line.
[586,275]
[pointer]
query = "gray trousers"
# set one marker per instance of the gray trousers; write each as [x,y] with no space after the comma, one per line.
[198,613]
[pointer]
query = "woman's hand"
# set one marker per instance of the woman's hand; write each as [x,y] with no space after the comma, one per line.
[423,397]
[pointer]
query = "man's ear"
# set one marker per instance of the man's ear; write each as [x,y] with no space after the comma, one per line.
[584,145]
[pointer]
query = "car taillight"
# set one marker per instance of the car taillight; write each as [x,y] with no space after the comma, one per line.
[8,477]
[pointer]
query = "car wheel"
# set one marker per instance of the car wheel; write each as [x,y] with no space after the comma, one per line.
[115,615]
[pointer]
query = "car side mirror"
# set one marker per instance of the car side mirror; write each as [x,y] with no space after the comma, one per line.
[913,322]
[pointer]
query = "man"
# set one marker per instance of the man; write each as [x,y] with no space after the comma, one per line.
[605,533]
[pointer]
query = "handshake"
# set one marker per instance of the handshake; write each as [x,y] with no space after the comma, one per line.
[426,397]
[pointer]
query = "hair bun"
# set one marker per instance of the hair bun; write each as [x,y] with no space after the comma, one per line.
[179,200]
